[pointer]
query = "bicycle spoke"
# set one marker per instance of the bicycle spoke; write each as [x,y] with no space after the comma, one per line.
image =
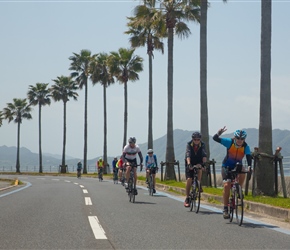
[239,205]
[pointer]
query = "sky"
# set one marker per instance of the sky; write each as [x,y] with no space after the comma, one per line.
[38,37]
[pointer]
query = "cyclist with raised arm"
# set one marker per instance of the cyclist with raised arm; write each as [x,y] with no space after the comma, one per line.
[237,148]
[151,165]
[130,152]
[195,155]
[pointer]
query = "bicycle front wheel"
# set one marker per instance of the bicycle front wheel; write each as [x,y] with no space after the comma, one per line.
[232,206]
[133,191]
[239,205]
[151,186]
[197,196]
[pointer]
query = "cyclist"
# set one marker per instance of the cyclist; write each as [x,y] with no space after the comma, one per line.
[79,169]
[151,165]
[120,167]
[195,155]
[100,165]
[237,148]
[115,166]
[129,159]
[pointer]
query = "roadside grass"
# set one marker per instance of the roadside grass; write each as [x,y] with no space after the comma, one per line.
[272,201]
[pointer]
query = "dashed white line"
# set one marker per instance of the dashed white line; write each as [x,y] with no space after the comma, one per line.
[55,179]
[88,201]
[85,191]
[67,181]
[97,228]
[81,186]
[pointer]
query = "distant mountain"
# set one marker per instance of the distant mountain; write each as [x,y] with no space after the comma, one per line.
[181,137]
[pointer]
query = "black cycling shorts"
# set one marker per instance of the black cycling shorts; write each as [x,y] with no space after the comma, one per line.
[133,163]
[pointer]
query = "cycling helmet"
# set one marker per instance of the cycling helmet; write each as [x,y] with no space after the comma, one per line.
[150,151]
[196,135]
[132,140]
[240,134]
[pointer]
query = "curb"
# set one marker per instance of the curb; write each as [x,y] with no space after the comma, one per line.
[263,209]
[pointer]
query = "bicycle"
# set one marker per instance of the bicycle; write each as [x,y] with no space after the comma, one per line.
[194,195]
[236,200]
[131,185]
[79,173]
[123,176]
[150,182]
[116,176]
[100,174]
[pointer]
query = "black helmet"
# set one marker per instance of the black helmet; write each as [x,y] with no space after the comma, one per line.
[132,140]
[196,135]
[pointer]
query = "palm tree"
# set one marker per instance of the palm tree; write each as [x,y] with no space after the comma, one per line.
[125,67]
[175,13]
[81,71]
[147,28]
[1,118]
[265,170]
[101,73]
[64,89]
[39,95]
[17,111]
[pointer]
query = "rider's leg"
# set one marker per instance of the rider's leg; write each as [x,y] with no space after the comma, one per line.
[188,185]
[147,174]
[135,175]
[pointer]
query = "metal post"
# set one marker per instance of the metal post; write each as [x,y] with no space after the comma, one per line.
[282,179]
[214,173]
[178,170]
[276,175]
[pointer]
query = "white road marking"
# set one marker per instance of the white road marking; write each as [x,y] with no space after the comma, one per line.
[76,183]
[97,228]
[55,179]
[88,201]
[40,178]
[67,181]
[81,186]
[85,191]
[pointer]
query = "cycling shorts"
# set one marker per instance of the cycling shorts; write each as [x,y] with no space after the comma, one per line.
[189,173]
[133,162]
[227,177]
[153,170]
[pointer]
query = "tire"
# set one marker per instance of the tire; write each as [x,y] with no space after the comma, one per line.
[133,191]
[232,206]
[151,186]
[192,200]
[197,196]
[130,190]
[239,205]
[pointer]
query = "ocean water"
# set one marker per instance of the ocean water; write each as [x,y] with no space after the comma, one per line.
[93,169]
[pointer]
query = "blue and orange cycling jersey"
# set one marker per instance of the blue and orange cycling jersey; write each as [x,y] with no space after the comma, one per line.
[234,154]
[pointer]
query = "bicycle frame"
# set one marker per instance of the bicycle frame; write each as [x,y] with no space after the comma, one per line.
[194,196]
[236,199]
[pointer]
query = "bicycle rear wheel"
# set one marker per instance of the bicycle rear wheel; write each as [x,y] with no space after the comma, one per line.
[239,205]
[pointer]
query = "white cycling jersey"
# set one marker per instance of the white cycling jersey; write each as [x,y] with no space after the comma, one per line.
[130,153]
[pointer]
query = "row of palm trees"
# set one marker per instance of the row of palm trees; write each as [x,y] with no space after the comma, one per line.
[154,21]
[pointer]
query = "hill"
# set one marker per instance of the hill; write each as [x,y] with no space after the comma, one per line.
[181,137]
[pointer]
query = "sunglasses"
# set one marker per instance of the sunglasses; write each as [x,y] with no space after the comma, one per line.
[150,153]
[196,139]
[239,138]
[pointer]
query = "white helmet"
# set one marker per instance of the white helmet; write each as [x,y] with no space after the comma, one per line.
[150,151]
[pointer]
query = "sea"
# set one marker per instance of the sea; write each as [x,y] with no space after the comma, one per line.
[93,169]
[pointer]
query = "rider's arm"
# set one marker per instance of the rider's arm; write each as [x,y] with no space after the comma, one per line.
[217,138]
[188,154]
[140,156]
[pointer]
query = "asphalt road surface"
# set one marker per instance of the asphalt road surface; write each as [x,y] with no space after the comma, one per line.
[70,213]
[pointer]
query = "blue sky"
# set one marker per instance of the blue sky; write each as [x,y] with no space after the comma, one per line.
[38,37]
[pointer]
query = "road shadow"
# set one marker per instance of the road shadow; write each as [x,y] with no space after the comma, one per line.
[145,202]
[204,212]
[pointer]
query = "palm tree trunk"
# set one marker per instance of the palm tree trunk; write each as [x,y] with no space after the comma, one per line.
[265,170]
[125,113]
[40,151]
[203,81]
[105,128]
[18,148]
[150,108]
[170,157]
[86,129]
[64,136]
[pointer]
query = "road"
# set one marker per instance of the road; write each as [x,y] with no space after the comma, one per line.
[70,213]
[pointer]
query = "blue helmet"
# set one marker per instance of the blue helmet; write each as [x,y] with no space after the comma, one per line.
[240,134]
